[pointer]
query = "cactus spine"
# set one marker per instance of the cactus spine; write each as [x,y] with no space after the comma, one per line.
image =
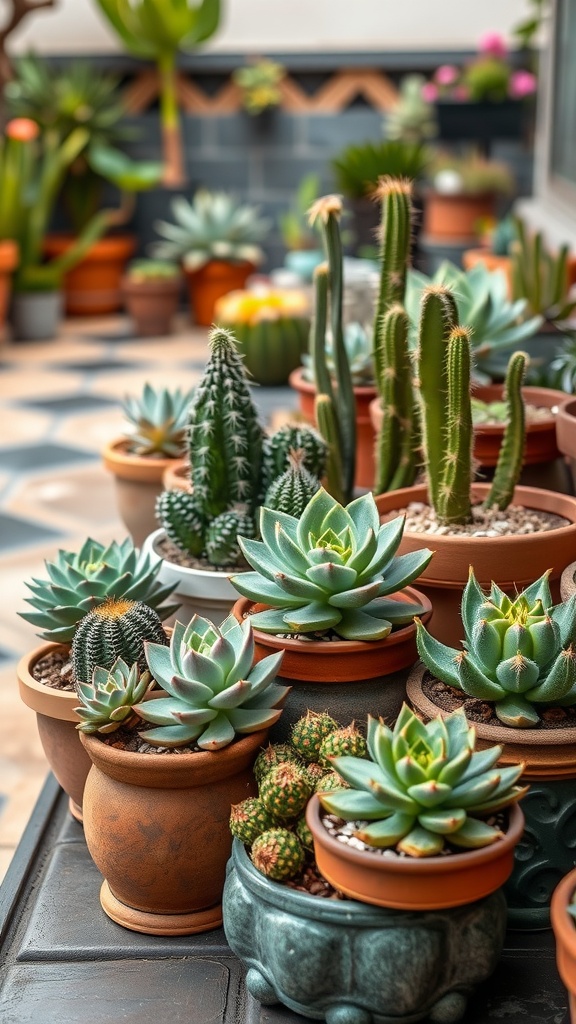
[288,438]
[454,504]
[438,315]
[115,629]
[291,492]
[509,465]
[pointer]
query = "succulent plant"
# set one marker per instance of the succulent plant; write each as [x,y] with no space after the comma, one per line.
[518,653]
[259,84]
[118,628]
[273,755]
[79,581]
[159,417]
[285,790]
[293,437]
[412,119]
[330,781]
[540,276]
[140,271]
[214,692]
[249,819]
[108,701]
[304,834]
[423,786]
[332,569]
[278,854]
[309,732]
[473,174]
[291,492]
[347,741]
[210,227]
[359,167]
[270,328]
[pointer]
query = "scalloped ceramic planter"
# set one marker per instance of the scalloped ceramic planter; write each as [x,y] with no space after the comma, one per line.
[345,962]
[564,926]
[198,591]
[546,851]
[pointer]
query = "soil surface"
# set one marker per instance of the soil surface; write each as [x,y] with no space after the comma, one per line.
[55,671]
[128,739]
[533,414]
[172,553]
[511,522]
[312,882]
[449,699]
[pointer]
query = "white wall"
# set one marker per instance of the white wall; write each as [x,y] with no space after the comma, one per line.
[257,26]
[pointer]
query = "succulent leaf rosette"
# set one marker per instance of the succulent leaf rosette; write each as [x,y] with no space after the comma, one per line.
[108,701]
[518,653]
[331,569]
[159,418]
[424,785]
[214,692]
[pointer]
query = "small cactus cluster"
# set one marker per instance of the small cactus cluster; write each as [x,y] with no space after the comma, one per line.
[273,824]
[231,463]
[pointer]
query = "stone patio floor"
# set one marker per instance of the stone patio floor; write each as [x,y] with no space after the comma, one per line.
[60,403]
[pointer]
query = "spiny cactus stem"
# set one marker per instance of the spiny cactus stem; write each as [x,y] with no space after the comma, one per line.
[321,375]
[394,328]
[509,467]
[454,505]
[438,316]
[328,427]
[346,399]
[395,196]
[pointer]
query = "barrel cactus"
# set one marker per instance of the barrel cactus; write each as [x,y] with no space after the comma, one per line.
[271,330]
[115,629]
[293,437]
[331,569]
[108,701]
[518,652]
[292,491]
[423,786]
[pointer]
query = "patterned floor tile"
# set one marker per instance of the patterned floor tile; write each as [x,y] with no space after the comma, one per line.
[75,499]
[21,425]
[95,366]
[37,382]
[25,458]
[66,404]
[16,532]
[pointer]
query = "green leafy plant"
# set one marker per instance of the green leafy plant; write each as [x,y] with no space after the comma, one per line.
[141,271]
[518,653]
[259,83]
[470,174]
[215,692]
[540,276]
[331,569]
[211,227]
[358,168]
[157,30]
[424,786]
[294,227]
[561,373]
[412,119]
[79,581]
[159,417]
[107,703]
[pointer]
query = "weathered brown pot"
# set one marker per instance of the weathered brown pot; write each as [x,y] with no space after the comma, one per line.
[93,286]
[566,433]
[455,216]
[512,562]
[56,721]
[156,826]
[152,304]
[471,257]
[348,678]
[176,477]
[564,926]
[210,283]
[365,434]
[138,480]
[413,883]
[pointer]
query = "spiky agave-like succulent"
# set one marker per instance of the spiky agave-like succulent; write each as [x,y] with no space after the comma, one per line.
[424,784]
[159,419]
[79,581]
[332,569]
[518,652]
[213,690]
[108,701]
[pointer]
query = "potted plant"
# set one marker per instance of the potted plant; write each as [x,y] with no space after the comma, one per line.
[175,782]
[563,912]
[515,678]
[259,83]
[139,459]
[412,118]
[151,292]
[233,466]
[328,590]
[303,254]
[462,190]
[539,526]
[494,250]
[78,582]
[217,242]
[270,327]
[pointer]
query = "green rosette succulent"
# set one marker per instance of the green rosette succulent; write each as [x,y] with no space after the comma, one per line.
[424,785]
[108,701]
[331,569]
[79,581]
[214,692]
[518,653]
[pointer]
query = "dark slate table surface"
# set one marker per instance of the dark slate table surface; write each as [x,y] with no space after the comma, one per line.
[63,961]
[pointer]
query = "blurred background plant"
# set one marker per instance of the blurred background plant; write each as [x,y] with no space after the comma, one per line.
[469,174]
[259,83]
[490,78]
[413,118]
[358,167]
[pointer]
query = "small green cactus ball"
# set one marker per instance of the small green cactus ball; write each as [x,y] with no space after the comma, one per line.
[273,755]
[249,819]
[329,782]
[285,790]
[278,854]
[348,741]
[315,772]
[309,733]
[304,834]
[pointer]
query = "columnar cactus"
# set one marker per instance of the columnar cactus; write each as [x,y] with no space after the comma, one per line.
[115,629]
[512,450]
[292,491]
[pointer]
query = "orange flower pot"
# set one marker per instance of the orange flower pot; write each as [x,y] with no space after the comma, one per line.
[138,480]
[564,926]
[94,286]
[471,257]
[210,282]
[455,217]
[8,263]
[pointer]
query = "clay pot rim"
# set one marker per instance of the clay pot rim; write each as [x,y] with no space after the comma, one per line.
[543,425]
[9,253]
[114,457]
[563,924]
[341,648]
[106,248]
[566,427]
[459,196]
[202,759]
[188,572]
[42,697]
[436,865]
[218,265]
[298,382]
[151,286]
[497,734]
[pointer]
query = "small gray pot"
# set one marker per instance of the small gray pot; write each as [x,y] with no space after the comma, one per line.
[35,316]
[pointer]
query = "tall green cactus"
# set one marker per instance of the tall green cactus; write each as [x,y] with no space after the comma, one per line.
[454,496]
[341,421]
[509,466]
[395,196]
[540,275]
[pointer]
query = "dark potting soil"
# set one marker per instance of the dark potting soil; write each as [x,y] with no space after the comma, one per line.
[447,698]
[312,882]
[55,670]
[172,553]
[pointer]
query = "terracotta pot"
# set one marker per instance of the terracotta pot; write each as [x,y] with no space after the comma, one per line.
[564,926]
[93,286]
[210,283]
[512,562]
[546,851]
[566,433]
[8,263]
[176,477]
[156,826]
[56,721]
[138,480]
[455,216]
[152,304]
[348,678]
[365,435]
[199,591]
[471,257]
[541,445]
[414,883]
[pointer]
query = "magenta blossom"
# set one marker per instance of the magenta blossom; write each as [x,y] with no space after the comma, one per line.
[446,74]
[429,92]
[522,83]
[493,44]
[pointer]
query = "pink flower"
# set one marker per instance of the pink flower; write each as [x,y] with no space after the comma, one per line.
[522,83]
[446,74]
[493,44]
[429,92]
[461,92]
